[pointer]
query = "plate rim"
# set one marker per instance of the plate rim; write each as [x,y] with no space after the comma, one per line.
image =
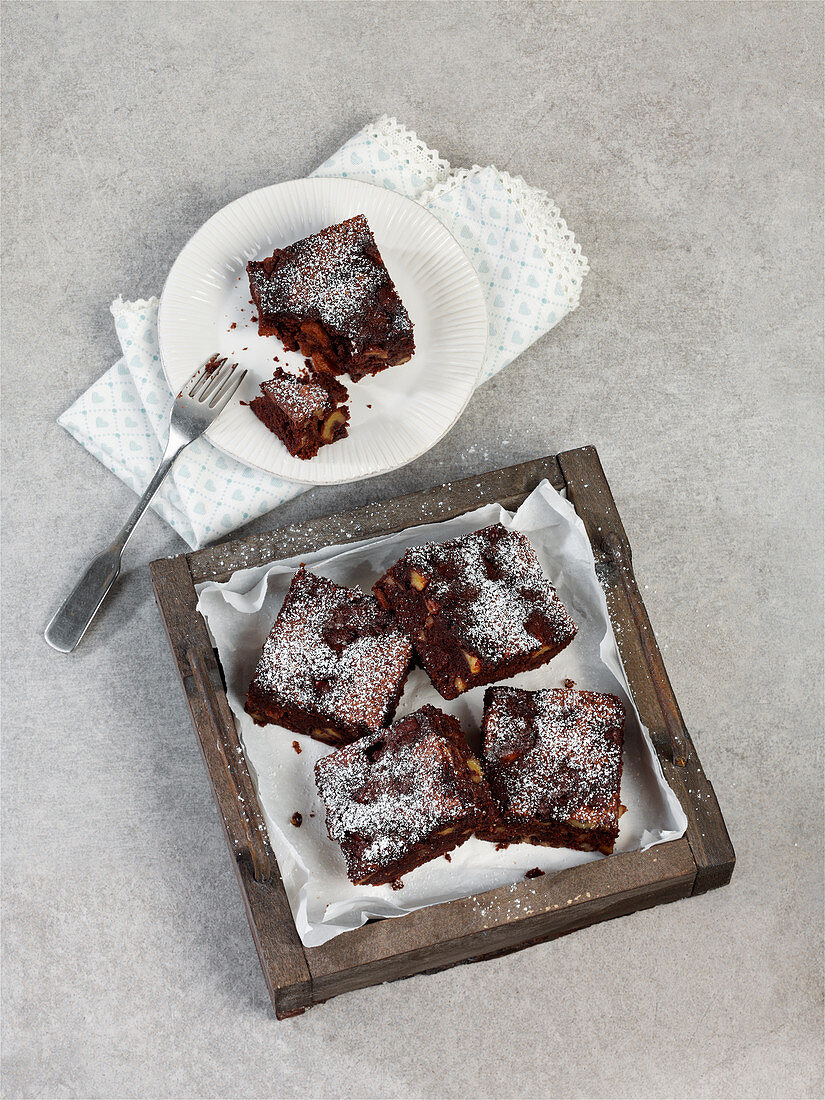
[346,182]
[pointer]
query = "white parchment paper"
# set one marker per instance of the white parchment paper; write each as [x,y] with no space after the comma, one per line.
[324,903]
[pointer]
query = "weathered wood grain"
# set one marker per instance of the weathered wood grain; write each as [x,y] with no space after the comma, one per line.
[225,736]
[468,929]
[279,946]
[507,487]
[653,693]
[490,924]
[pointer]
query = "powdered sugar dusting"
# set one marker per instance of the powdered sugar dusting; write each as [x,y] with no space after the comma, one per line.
[336,276]
[490,586]
[334,652]
[394,789]
[555,754]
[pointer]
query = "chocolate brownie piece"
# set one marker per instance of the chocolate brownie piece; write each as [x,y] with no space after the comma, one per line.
[478,608]
[305,411]
[331,296]
[333,666]
[400,797]
[553,760]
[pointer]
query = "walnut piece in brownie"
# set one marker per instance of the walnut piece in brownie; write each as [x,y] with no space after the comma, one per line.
[553,760]
[478,608]
[400,797]
[304,411]
[331,296]
[333,666]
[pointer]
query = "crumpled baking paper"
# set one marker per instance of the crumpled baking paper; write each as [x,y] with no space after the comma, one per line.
[324,902]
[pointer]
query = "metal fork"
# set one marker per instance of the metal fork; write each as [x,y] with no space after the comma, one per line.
[201,400]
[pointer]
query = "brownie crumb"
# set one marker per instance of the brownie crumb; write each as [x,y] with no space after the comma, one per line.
[296,820]
[234,325]
[297,747]
[501,846]
[254,320]
[568,683]
[369,406]
[535,872]
[397,885]
[448,857]
[212,365]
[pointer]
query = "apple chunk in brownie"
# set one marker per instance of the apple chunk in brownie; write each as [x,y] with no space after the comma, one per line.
[478,608]
[400,797]
[304,411]
[333,666]
[331,296]
[553,760]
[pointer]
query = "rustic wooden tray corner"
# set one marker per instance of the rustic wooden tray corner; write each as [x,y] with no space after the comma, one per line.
[469,929]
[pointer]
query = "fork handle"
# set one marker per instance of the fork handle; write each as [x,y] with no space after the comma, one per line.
[71,620]
[173,449]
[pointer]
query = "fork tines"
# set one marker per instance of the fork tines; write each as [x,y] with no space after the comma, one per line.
[213,382]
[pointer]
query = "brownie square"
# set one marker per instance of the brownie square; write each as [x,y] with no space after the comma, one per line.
[400,797]
[553,760]
[331,296]
[478,608]
[305,411]
[333,666]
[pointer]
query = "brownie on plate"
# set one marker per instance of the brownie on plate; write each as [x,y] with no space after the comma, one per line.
[331,296]
[304,411]
[402,796]
[478,608]
[333,666]
[553,760]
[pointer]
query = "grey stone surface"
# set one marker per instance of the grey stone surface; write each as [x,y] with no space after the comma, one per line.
[683,143]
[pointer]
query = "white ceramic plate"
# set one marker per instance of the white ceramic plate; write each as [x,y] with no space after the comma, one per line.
[396,415]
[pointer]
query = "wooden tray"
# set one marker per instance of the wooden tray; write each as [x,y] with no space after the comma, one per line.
[505,919]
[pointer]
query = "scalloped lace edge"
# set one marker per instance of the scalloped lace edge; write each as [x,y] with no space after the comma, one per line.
[119,305]
[404,143]
[544,220]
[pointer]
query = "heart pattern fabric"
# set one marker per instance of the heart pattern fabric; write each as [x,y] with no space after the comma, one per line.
[530,268]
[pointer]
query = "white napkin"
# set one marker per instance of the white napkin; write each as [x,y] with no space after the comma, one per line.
[527,261]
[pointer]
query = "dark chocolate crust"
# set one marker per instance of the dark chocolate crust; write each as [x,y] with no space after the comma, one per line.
[553,760]
[400,797]
[306,412]
[331,296]
[478,608]
[334,664]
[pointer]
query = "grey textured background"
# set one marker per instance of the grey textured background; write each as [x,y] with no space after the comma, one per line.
[683,143]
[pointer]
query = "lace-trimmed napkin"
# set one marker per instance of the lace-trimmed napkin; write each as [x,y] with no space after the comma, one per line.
[527,261]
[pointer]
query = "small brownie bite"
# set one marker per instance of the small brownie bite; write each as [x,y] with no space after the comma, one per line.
[400,797]
[478,608]
[304,411]
[331,296]
[333,666]
[553,760]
